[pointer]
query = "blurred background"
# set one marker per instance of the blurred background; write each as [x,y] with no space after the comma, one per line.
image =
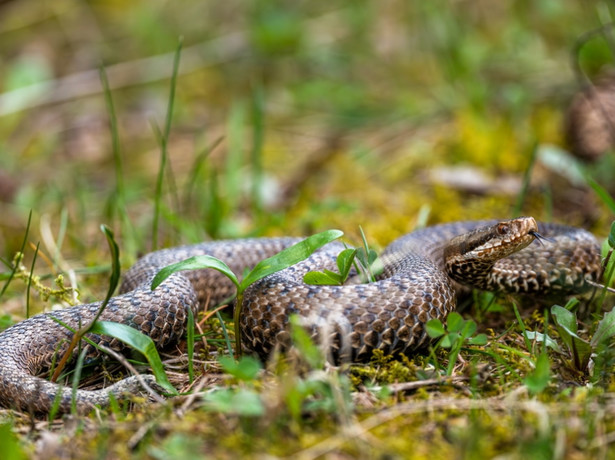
[289,118]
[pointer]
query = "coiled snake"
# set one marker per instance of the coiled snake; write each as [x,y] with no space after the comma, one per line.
[353,320]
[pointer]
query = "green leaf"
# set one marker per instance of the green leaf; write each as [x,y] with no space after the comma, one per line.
[241,402]
[565,318]
[566,323]
[605,330]
[449,340]
[581,352]
[194,263]
[540,377]
[611,239]
[469,328]
[435,328]
[540,337]
[11,449]
[333,275]
[366,257]
[6,321]
[454,322]
[321,279]
[289,256]
[246,369]
[480,339]
[344,262]
[138,341]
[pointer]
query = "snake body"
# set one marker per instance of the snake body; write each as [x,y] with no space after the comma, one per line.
[421,272]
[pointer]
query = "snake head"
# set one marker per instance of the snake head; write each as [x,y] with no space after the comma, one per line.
[487,245]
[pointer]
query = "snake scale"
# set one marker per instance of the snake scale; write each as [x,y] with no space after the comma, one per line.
[419,281]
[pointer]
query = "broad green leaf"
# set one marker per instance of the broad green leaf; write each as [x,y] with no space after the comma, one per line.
[6,321]
[321,279]
[565,318]
[194,263]
[289,256]
[605,330]
[469,328]
[434,328]
[581,352]
[344,262]
[294,397]
[540,337]
[449,340]
[138,341]
[367,258]
[480,339]
[333,275]
[566,323]
[540,377]
[246,369]
[11,448]
[241,402]
[454,322]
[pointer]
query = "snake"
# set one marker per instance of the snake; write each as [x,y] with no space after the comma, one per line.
[422,273]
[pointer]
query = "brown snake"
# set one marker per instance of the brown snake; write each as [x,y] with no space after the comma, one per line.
[418,283]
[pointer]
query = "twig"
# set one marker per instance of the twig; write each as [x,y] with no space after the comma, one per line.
[124,362]
[409,386]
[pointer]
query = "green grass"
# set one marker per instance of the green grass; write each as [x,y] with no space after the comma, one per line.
[283,118]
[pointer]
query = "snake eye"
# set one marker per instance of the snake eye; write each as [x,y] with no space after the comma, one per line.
[502,229]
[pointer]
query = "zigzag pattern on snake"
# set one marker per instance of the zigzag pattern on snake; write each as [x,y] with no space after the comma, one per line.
[421,270]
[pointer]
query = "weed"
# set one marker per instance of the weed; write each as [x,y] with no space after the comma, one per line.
[364,259]
[456,333]
[285,258]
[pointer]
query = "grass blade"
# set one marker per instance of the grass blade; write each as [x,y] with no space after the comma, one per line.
[190,344]
[527,175]
[258,140]
[23,246]
[164,139]
[234,158]
[194,263]
[30,280]
[602,193]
